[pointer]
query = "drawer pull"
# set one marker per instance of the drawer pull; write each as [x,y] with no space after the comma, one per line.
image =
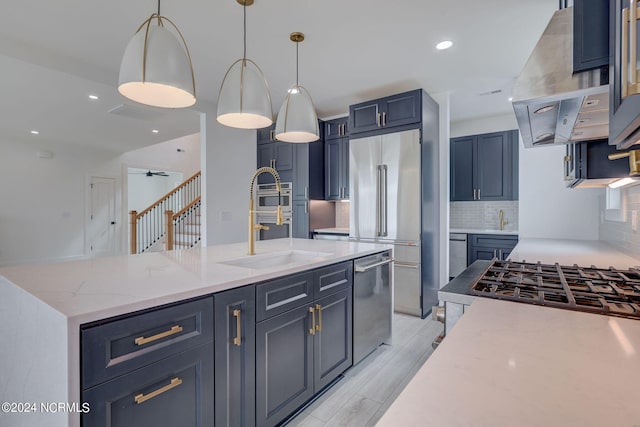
[312,331]
[319,310]
[238,339]
[140,398]
[174,330]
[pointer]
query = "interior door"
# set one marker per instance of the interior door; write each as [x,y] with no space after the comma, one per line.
[364,158]
[102,217]
[401,186]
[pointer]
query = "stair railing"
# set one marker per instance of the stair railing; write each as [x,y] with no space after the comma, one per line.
[186,224]
[148,226]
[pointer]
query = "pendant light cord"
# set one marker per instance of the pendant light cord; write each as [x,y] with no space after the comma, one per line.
[297,62]
[244,11]
[159,20]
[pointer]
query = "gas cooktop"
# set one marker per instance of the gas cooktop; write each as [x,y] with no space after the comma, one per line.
[604,291]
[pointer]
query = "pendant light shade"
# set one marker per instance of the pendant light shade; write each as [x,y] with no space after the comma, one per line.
[156,66]
[297,119]
[244,100]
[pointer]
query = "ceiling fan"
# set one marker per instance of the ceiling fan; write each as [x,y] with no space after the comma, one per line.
[149,173]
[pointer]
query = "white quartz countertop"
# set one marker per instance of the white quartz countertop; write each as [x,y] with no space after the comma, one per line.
[569,252]
[483,231]
[511,364]
[88,290]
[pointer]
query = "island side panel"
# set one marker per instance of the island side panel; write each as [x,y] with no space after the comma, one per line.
[33,360]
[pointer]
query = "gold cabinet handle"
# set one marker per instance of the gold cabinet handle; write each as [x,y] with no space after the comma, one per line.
[174,330]
[312,331]
[384,118]
[140,398]
[319,310]
[616,156]
[272,134]
[378,119]
[238,339]
[634,160]
[475,192]
[478,194]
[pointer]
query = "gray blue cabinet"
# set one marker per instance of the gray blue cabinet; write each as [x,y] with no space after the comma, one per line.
[235,368]
[590,34]
[303,349]
[624,97]
[337,160]
[149,369]
[274,154]
[391,111]
[489,246]
[587,160]
[484,167]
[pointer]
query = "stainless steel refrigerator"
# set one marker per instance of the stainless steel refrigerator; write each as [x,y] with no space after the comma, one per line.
[385,206]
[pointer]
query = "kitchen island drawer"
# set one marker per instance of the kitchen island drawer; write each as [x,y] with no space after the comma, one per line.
[333,278]
[176,391]
[115,348]
[280,295]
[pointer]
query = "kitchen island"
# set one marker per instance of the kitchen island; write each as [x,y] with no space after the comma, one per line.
[42,307]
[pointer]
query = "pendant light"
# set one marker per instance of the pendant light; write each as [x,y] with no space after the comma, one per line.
[244,100]
[297,120]
[156,66]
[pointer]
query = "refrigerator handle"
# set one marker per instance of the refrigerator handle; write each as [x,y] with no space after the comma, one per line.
[379,202]
[384,230]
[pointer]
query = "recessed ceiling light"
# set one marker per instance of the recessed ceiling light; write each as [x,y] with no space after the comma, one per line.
[94,97]
[155,131]
[446,44]
[510,99]
[35,132]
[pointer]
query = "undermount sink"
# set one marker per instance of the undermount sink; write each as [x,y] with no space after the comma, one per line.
[275,259]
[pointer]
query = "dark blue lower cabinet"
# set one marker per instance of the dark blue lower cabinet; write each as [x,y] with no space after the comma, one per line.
[332,341]
[235,368]
[489,246]
[284,365]
[176,391]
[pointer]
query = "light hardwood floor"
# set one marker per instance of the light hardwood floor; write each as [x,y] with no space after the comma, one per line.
[369,388]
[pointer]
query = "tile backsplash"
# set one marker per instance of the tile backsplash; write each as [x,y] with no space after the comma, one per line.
[342,214]
[620,233]
[483,215]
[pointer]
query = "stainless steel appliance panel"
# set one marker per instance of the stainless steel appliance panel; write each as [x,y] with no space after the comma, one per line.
[457,253]
[400,189]
[364,158]
[371,304]
[407,279]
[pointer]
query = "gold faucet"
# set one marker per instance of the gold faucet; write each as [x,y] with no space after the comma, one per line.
[503,221]
[254,226]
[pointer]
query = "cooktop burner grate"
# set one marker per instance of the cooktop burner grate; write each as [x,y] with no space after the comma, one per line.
[605,291]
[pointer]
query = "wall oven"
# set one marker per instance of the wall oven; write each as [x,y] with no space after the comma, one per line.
[266,202]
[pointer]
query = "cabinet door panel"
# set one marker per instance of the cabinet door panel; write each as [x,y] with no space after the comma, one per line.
[493,166]
[301,171]
[344,160]
[333,158]
[483,253]
[333,340]
[284,365]
[462,185]
[401,109]
[235,360]
[300,219]
[364,117]
[265,159]
[283,156]
[177,391]
[280,295]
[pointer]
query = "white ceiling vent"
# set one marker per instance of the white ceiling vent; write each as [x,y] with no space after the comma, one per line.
[137,113]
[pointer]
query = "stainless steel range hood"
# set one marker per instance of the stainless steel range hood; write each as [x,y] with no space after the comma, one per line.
[553,105]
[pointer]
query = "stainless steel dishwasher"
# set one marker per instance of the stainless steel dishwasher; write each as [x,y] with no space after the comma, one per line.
[372,304]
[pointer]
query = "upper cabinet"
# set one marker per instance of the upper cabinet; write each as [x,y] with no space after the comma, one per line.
[336,159]
[590,34]
[274,154]
[485,167]
[624,93]
[392,111]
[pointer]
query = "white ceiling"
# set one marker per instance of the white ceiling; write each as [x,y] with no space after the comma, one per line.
[54,54]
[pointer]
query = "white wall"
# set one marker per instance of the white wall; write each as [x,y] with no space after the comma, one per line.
[143,190]
[43,208]
[44,201]
[230,163]
[547,209]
